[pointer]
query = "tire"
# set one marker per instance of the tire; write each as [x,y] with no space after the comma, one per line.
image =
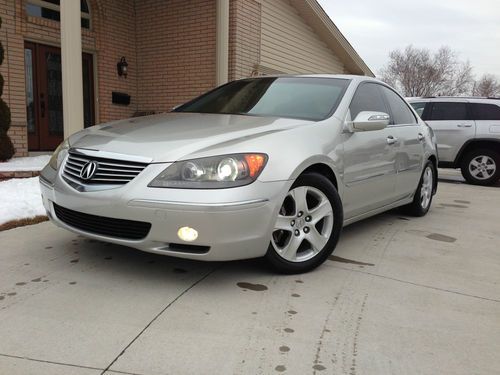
[303,237]
[481,167]
[422,199]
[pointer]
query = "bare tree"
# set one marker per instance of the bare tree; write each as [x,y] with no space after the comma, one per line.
[488,86]
[418,72]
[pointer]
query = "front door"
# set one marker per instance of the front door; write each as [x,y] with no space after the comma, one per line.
[44,104]
[369,158]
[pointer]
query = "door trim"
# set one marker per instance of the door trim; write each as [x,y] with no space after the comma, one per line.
[34,139]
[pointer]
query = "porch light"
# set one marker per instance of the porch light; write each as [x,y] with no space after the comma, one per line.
[122,67]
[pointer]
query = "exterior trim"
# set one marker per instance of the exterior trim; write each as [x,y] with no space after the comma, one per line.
[222,42]
[324,26]
[193,206]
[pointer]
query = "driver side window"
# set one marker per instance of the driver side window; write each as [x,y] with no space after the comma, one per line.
[368,97]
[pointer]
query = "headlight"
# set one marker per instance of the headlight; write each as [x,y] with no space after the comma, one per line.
[58,155]
[216,172]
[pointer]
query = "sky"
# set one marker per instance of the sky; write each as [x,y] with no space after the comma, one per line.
[376,27]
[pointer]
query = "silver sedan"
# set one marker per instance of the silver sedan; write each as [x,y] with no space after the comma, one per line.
[271,166]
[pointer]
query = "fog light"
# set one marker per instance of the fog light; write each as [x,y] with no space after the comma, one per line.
[187,234]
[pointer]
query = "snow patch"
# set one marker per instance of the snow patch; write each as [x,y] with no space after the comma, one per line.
[31,163]
[20,198]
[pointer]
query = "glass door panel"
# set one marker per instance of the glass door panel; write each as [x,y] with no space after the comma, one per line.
[44,104]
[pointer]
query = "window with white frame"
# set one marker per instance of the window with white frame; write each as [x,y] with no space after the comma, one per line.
[50,9]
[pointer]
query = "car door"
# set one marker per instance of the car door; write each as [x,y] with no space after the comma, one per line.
[409,148]
[369,158]
[453,126]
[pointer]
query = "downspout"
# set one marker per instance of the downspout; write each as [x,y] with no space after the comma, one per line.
[222,42]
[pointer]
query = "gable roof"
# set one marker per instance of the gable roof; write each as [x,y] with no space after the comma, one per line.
[323,25]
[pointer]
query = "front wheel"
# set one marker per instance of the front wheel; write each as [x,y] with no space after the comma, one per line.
[307,226]
[423,195]
[481,167]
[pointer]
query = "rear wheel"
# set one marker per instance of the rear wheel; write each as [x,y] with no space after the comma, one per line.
[424,193]
[307,227]
[481,167]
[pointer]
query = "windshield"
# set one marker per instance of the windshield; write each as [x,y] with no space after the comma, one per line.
[293,97]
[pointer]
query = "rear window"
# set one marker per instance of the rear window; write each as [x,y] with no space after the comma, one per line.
[448,111]
[419,108]
[485,111]
[293,97]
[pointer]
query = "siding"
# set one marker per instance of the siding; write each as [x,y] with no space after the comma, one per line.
[289,45]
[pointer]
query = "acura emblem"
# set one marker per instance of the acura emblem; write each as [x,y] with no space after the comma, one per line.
[88,170]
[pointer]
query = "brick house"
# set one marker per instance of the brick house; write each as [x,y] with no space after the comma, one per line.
[175,50]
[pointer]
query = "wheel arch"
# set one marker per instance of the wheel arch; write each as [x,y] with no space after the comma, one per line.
[323,170]
[487,143]
[434,161]
[320,166]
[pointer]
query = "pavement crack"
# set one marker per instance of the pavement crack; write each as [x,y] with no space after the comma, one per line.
[420,285]
[157,316]
[48,362]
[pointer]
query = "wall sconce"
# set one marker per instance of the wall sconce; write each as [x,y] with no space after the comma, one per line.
[122,67]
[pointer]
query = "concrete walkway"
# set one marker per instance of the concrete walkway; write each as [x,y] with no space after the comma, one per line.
[401,296]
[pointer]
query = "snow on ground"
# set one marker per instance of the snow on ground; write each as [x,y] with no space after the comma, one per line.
[32,163]
[20,199]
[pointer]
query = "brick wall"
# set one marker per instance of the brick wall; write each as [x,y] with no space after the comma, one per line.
[169,45]
[114,23]
[16,28]
[13,73]
[175,51]
[244,37]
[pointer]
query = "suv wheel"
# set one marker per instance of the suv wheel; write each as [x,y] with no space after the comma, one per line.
[481,167]
[307,227]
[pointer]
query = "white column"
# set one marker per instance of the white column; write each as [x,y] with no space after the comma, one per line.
[71,54]
[222,42]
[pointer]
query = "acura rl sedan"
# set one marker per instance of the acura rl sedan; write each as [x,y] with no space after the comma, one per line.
[268,167]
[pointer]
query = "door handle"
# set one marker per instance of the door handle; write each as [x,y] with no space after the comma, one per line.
[391,140]
[420,137]
[464,126]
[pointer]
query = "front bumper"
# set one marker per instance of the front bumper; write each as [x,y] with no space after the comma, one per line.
[234,223]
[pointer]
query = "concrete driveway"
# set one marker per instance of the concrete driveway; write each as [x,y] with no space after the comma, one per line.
[401,296]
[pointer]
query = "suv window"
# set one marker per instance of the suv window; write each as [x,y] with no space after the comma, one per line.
[368,97]
[419,108]
[485,111]
[442,111]
[401,114]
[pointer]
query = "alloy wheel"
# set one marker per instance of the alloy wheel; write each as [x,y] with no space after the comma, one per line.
[482,167]
[304,224]
[426,188]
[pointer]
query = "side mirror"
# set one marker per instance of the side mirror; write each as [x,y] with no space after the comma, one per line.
[368,121]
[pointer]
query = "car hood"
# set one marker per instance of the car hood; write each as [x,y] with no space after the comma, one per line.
[173,136]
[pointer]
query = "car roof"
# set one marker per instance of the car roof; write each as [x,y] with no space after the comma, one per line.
[351,77]
[467,99]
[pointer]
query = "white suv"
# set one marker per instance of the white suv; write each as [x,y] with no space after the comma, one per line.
[467,132]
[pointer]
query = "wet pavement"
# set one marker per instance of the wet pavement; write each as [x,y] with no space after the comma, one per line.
[399,295]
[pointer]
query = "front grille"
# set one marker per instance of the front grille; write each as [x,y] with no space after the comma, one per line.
[106,226]
[108,171]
